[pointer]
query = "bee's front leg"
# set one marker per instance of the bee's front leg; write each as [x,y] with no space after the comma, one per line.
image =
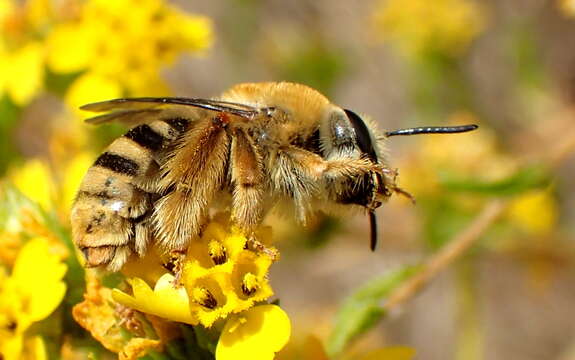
[257,246]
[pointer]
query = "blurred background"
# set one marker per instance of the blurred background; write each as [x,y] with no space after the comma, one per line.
[507,65]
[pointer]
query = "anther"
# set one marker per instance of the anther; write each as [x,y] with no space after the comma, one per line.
[249,284]
[217,252]
[204,297]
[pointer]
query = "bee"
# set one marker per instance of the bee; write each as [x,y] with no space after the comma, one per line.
[257,145]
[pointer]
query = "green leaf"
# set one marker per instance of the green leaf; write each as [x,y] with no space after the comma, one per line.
[8,121]
[527,178]
[206,338]
[192,347]
[361,311]
[443,217]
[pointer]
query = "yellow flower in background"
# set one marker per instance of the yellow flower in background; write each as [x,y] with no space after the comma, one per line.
[90,88]
[34,180]
[219,277]
[22,72]
[567,7]
[421,26]
[471,155]
[536,212]
[74,171]
[22,51]
[126,42]
[390,353]
[123,46]
[308,348]
[28,296]
[256,334]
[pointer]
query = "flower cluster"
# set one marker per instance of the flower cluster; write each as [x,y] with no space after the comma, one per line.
[28,296]
[219,275]
[110,48]
[223,278]
[418,27]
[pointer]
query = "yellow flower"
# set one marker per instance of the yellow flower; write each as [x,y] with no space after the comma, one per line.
[567,7]
[34,180]
[308,348]
[255,334]
[166,300]
[390,353]
[58,43]
[22,72]
[220,277]
[74,172]
[474,155]
[108,34]
[29,295]
[421,26]
[536,212]
[92,87]
[117,328]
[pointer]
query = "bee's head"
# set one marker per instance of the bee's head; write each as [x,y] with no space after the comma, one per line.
[379,185]
[380,182]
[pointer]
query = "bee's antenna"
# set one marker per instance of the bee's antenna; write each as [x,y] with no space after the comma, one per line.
[373,230]
[432,130]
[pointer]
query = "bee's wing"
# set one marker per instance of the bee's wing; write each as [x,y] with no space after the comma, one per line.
[137,110]
[127,117]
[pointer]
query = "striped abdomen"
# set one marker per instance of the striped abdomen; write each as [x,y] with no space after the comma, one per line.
[110,215]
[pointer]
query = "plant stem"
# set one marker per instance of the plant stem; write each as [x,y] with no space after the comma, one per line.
[447,255]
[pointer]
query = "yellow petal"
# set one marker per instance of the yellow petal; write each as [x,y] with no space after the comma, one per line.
[70,48]
[148,268]
[25,74]
[43,290]
[568,7]
[35,349]
[310,348]
[195,32]
[390,353]
[418,26]
[166,300]
[34,180]
[91,87]
[535,212]
[11,347]
[218,285]
[75,171]
[256,334]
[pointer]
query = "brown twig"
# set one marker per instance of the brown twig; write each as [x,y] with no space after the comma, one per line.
[464,240]
[447,255]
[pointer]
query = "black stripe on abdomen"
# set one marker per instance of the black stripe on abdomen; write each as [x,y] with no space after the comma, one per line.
[117,164]
[179,124]
[146,137]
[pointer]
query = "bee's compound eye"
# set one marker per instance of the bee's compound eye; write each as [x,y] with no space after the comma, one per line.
[362,135]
